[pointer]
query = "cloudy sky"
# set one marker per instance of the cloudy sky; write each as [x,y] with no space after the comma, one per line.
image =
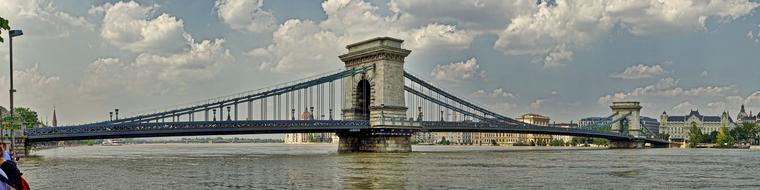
[565,59]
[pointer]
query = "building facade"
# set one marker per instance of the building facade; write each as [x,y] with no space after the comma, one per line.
[595,121]
[508,139]
[308,138]
[743,117]
[564,138]
[677,127]
[483,139]
[535,119]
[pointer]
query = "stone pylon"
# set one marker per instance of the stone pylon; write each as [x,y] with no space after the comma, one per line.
[377,96]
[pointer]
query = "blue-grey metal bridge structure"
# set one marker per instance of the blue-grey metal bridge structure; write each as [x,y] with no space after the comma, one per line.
[311,105]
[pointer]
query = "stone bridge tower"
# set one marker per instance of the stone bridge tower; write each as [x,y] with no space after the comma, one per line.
[377,96]
[630,124]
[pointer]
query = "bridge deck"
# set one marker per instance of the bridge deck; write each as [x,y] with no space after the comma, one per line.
[137,130]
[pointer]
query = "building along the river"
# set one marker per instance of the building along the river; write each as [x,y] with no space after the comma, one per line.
[678,126]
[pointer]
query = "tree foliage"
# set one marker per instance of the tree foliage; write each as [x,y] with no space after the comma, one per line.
[724,138]
[695,135]
[710,138]
[557,142]
[745,132]
[25,117]
[601,141]
[3,26]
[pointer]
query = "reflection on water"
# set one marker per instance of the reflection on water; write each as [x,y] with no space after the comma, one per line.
[375,171]
[278,166]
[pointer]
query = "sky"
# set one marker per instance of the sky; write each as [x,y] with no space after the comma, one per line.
[564,59]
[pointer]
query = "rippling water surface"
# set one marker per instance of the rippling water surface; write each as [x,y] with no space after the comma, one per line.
[278,166]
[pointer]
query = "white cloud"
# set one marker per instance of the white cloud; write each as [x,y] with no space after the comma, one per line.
[683,107]
[458,71]
[708,90]
[299,46]
[33,87]
[154,74]
[482,16]
[719,105]
[536,104]
[41,17]
[667,87]
[31,79]
[754,98]
[438,37]
[574,24]
[616,97]
[350,21]
[245,15]
[127,25]
[168,58]
[754,36]
[495,93]
[558,58]
[751,100]
[640,71]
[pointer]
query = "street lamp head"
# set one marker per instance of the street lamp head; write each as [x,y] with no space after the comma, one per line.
[14,33]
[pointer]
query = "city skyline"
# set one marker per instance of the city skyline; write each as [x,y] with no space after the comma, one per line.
[514,58]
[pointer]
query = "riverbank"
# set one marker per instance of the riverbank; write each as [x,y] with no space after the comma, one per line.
[719,147]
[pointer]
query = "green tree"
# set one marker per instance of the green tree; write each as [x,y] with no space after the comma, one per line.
[3,26]
[757,134]
[695,135]
[710,138]
[745,133]
[724,138]
[557,142]
[25,117]
[444,141]
[600,141]
[575,141]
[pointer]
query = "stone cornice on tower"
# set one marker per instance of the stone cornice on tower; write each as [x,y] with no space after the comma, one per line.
[381,48]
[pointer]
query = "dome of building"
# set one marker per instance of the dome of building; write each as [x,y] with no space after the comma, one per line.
[305,115]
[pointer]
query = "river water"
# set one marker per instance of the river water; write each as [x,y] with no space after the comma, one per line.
[279,166]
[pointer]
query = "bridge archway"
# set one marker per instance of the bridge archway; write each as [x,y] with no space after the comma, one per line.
[363,99]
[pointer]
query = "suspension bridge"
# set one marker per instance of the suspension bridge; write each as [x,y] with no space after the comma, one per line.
[373,105]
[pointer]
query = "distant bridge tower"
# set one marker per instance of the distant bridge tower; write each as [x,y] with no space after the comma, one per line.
[630,124]
[377,96]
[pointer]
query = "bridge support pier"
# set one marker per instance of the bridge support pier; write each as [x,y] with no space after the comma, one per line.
[27,150]
[374,141]
[626,144]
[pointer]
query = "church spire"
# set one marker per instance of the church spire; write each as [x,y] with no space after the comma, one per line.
[55,120]
[742,113]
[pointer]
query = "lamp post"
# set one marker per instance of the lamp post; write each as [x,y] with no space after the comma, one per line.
[11,34]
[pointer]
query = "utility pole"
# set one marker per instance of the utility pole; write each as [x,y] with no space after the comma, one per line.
[11,34]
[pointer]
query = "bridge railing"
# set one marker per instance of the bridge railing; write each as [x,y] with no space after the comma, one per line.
[131,127]
[396,121]
[468,126]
